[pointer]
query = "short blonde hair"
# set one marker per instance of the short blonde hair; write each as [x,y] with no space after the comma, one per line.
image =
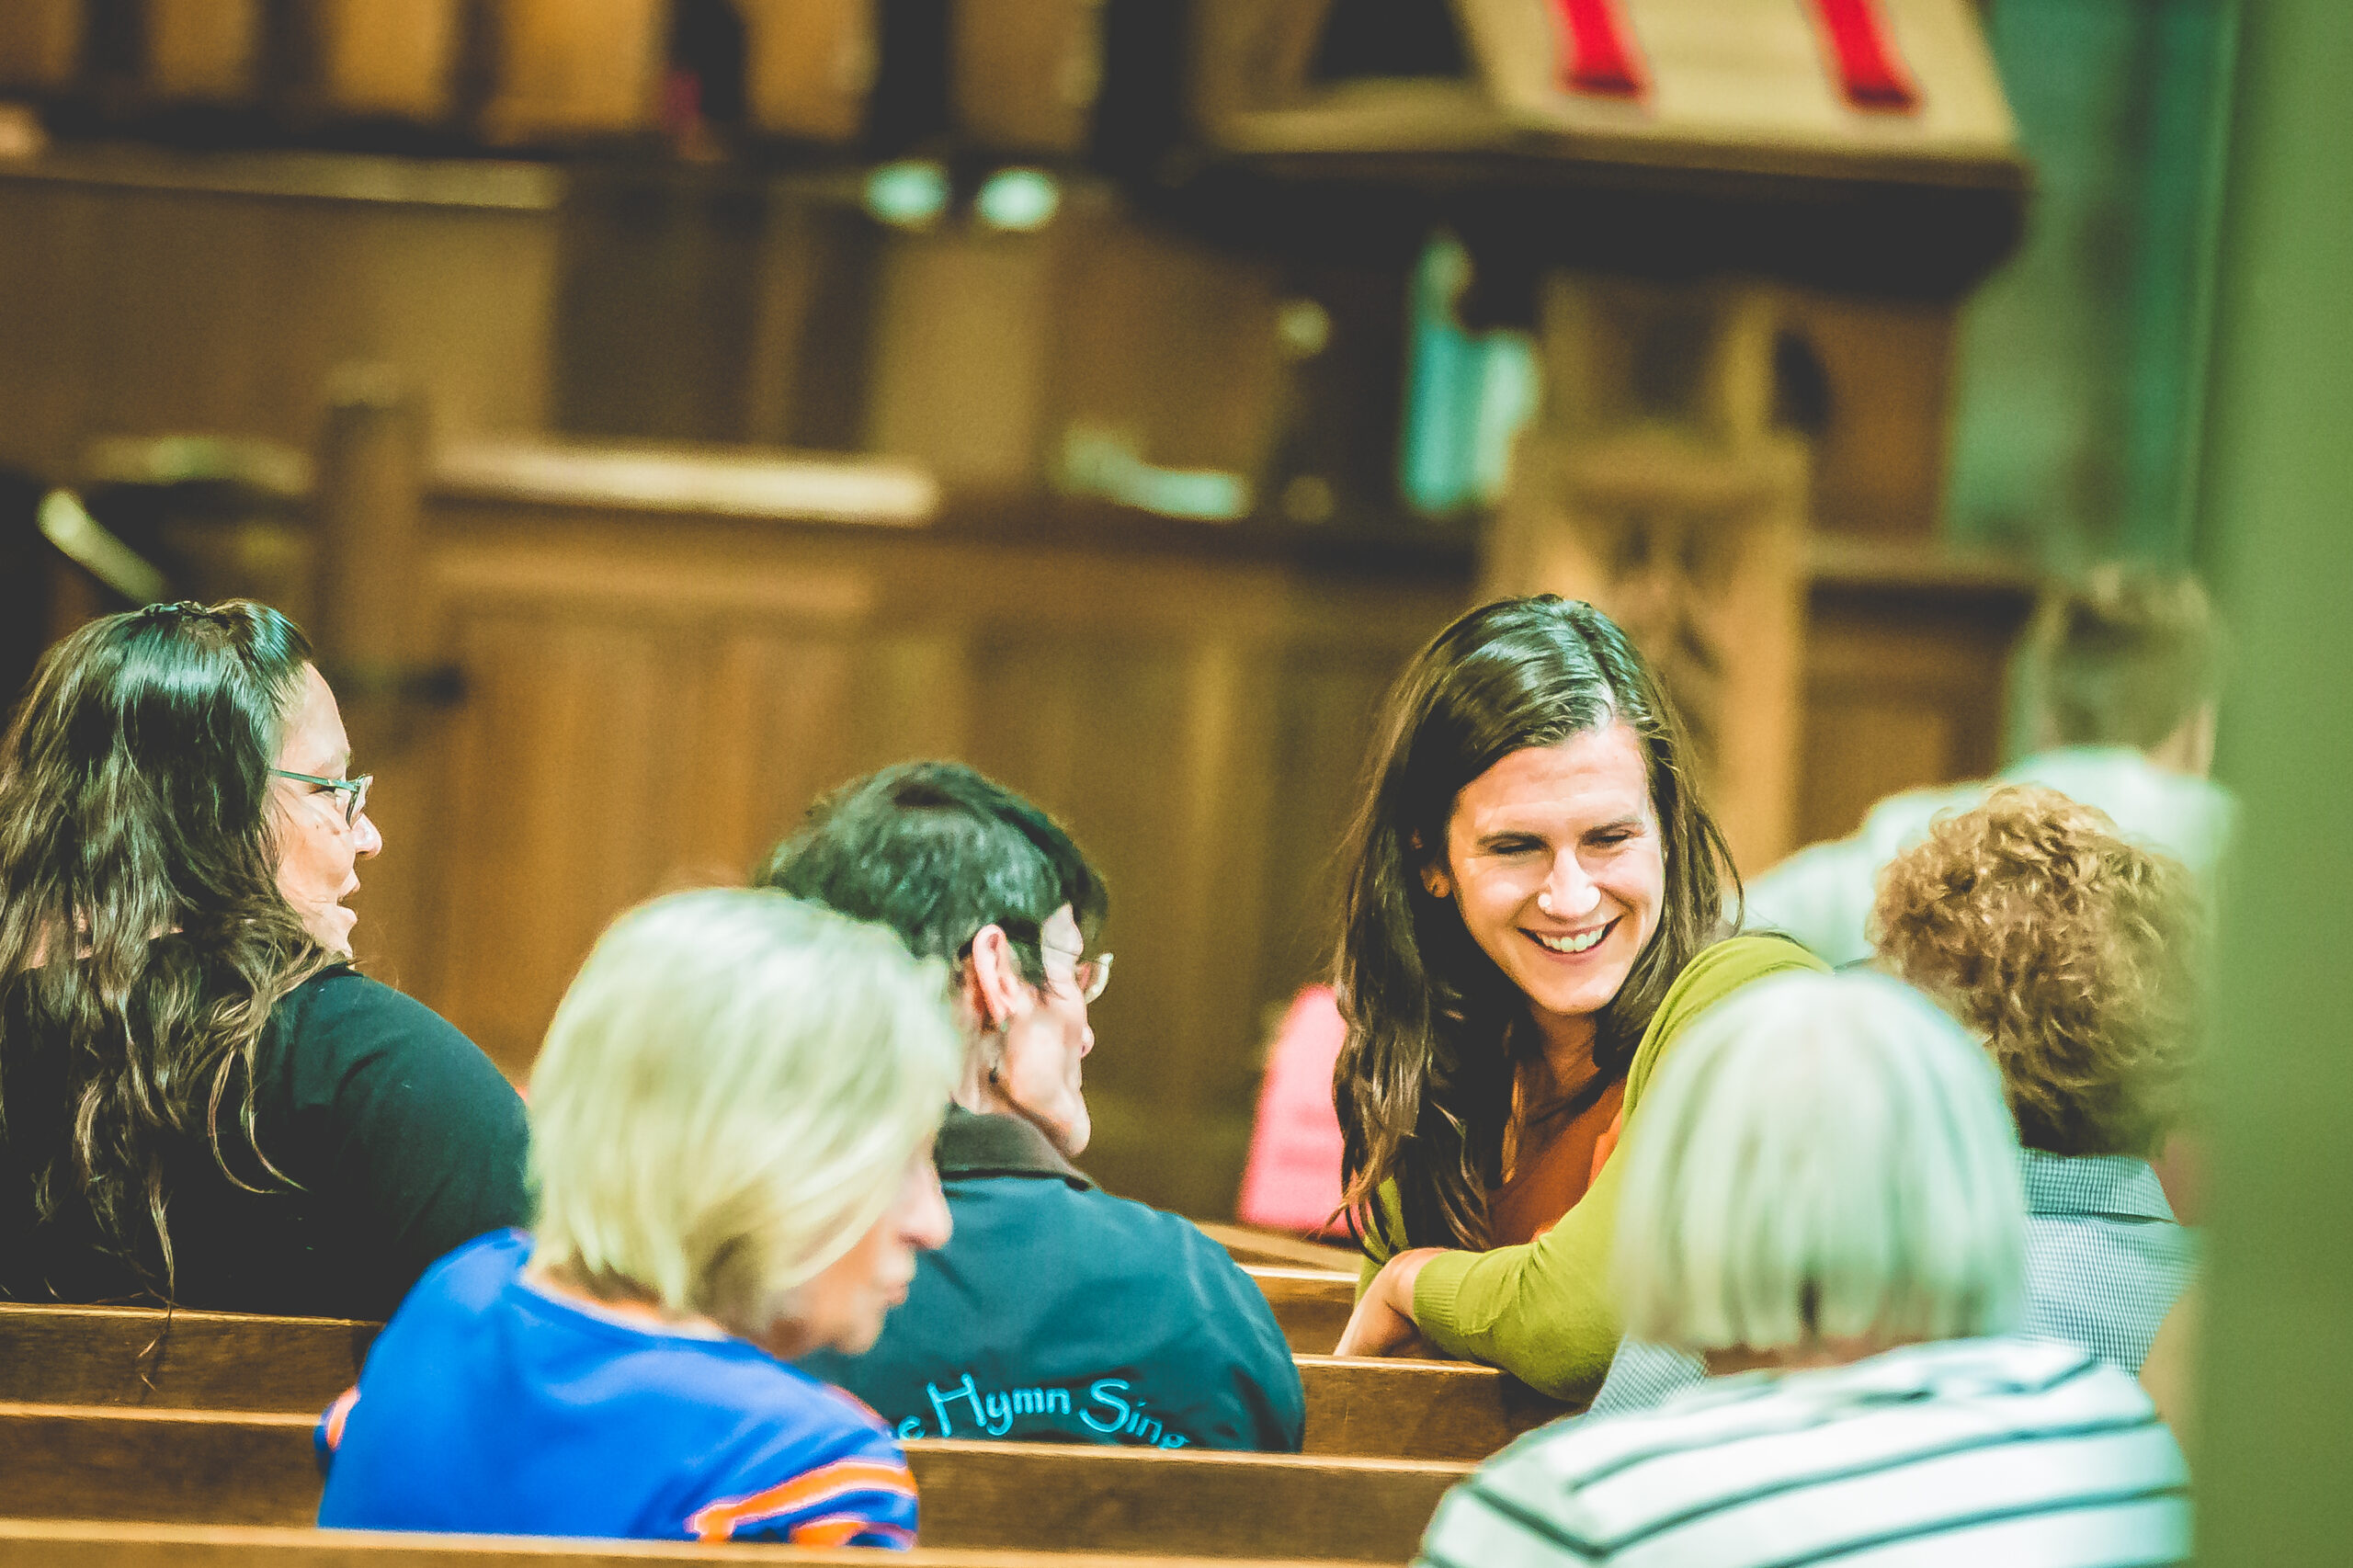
[2122,655]
[727,1098]
[1823,1156]
[2073,951]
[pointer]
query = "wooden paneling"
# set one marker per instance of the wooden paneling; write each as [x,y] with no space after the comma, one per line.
[203,51]
[651,701]
[1026,73]
[1903,688]
[40,42]
[808,65]
[573,69]
[396,58]
[166,308]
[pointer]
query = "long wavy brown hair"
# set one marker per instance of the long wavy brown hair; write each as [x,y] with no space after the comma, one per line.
[1424,1085]
[144,940]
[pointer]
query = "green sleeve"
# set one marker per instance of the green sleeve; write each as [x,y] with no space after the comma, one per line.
[1543,1310]
[1376,1251]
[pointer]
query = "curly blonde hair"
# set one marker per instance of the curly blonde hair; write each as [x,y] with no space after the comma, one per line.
[2069,949]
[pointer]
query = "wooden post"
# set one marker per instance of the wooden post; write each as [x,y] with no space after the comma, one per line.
[1654,487]
[576,68]
[1026,73]
[395,58]
[370,482]
[203,51]
[808,65]
[375,630]
[41,43]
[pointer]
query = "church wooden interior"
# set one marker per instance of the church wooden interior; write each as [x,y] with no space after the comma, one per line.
[641,477]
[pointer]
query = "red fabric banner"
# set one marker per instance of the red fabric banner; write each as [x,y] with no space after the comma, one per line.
[1597,49]
[1869,69]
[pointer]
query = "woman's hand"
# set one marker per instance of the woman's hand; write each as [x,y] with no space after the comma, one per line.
[1384,1324]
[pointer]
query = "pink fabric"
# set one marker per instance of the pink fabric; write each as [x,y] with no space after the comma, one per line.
[1292,1182]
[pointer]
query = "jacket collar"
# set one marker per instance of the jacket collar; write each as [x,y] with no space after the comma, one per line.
[972,1144]
[2116,1186]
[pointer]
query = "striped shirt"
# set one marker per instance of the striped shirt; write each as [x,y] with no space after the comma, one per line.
[1969,1451]
[2104,1262]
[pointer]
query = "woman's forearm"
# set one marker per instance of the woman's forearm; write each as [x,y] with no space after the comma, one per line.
[1383,1324]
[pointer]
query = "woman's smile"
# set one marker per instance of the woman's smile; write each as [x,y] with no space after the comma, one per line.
[1571,944]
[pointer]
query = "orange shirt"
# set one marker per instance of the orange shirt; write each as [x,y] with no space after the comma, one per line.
[1547,1181]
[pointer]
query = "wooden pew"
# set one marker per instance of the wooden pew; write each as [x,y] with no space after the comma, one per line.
[1251,1245]
[206,1468]
[1311,1304]
[130,1356]
[76,1543]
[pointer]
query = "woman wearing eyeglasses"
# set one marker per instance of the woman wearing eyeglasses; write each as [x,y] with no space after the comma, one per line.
[202,1103]
[1055,1312]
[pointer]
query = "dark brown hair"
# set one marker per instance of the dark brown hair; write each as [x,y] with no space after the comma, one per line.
[1424,1083]
[144,940]
[2070,950]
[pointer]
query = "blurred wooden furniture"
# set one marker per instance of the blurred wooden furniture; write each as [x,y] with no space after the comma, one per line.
[388,59]
[41,43]
[1026,73]
[574,70]
[65,1543]
[1906,656]
[1739,85]
[1654,485]
[125,1357]
[1251,1244]
[1311,1305]
[190,1467]
[808,65]
[202,52]
[664,655]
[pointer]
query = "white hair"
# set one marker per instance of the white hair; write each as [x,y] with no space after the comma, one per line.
[1823,1156]
[728,1098]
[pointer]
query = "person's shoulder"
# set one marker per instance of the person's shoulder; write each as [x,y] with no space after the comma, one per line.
[341,1005]
[1718,970]
[810,1465]
[1733,962]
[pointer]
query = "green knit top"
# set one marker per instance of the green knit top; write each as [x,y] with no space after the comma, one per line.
[1542,1311]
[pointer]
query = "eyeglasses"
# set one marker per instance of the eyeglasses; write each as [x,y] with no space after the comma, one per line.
[354,790]
[1088,976]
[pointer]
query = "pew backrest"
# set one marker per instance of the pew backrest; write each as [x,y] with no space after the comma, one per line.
[142,1356]
[118,1357]
[216,1468]
[1249,1244]
[79,1543]
[1311,1305]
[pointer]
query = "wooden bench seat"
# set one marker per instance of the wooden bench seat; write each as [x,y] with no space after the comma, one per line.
[81,1543]
[213,1468]
[118,1357]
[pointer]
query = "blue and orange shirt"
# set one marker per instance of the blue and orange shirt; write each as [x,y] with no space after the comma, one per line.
[489,1406]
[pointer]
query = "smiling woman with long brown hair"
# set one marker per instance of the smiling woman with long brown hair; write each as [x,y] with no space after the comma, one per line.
[201,1101]
[1537,901]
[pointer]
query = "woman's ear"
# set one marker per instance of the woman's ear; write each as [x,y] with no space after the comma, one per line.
[993,981]
[1433,870]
